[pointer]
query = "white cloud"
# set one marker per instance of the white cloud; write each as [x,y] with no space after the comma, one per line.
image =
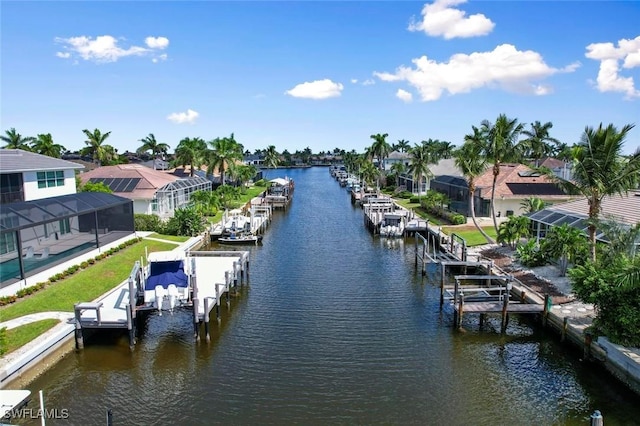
[369,82]
[319,89]
[440,18]
[159,58]
[609,78]
[505,67]
[354,80]
[404,95]
[189,116]
[156,42]
[106,48]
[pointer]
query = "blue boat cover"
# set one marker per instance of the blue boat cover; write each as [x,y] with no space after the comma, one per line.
[165,273]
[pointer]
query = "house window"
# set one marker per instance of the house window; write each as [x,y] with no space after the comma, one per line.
[50,179]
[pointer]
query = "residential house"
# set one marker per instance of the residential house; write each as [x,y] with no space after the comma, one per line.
[27,176]
[444,167]
[152,191]
[515,183]
[44,222]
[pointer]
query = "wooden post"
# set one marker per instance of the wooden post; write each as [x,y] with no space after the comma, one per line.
[218,301]
[78,334]
[482,316]
[109,417]
[587,345]
[130,327]
[545,312]
[523,296]
[442,269]
[565,324]
[596,419]
[505,307]
[196,321]
[460,310]
[206,319]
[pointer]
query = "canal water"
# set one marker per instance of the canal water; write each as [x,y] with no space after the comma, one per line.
[335,327]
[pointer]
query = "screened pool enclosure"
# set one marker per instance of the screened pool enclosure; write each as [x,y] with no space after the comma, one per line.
[177,194]
[35,235]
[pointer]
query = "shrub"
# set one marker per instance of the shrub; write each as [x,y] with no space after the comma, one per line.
[530,254]
[414,199]
[458,219]
[84,265]
[3,340]
[91,261]
[405,194]
[5,300]
[147,222]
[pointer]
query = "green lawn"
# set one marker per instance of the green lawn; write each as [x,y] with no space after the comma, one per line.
[176,238]
[473,237]
[85,285]
[20,336]
[404,202]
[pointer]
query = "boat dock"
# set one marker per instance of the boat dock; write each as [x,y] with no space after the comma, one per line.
[208,277]
[254,220]
[280,193]
[489,291]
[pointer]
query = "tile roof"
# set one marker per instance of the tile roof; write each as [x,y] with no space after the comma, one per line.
[150,180]
[17,160]
[518,181]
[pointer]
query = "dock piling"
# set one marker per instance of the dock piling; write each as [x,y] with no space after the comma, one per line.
[78,333]
[596,419]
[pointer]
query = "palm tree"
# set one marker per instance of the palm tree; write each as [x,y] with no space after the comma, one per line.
[397,169]
[532,204]
[380,149]
[566,243]
[150,143]
[470,161]
[245,172]
[501,147]
[514,229]
[402,146]
[369,173]
[600,170]
[44,145]
[95,147]
[224,152]
[271,157]
[538,143]
[15,140]
[419,164]
[439,149]
[190,151]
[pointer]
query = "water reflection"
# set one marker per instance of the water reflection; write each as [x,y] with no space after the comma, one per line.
[335,327]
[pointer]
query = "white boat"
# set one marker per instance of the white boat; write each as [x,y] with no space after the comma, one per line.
[240,239]
[236,222]
[392,225]
[167,283]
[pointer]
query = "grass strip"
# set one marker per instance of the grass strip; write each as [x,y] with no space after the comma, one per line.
[20,336]
[176,238]
[473,237]
[85,285]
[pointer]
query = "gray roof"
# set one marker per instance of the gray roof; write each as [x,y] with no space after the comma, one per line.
[17,160]
[445,166]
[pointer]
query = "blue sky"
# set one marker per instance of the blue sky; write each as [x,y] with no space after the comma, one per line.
[413,70]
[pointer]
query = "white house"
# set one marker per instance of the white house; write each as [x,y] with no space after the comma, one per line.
[27,176]
[152,191]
